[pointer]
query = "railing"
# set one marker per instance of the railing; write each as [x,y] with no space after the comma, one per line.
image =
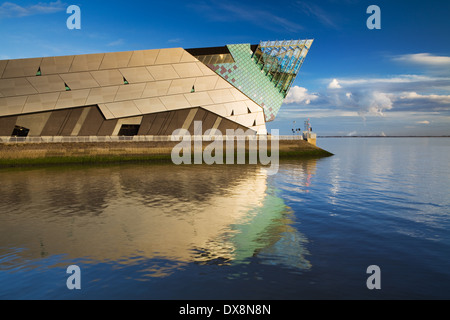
[69,139]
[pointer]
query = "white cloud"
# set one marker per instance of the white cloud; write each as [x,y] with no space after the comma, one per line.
[175,40]
[441,99]
[239,12]
[373,96]
[334,84]
[316,11]
[426,59]
[292,113]
[372,103]
[115,43]
[408,98]
[12,10]
[423,122]
[300,95]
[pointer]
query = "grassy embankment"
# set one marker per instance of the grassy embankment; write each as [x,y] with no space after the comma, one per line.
[43,154]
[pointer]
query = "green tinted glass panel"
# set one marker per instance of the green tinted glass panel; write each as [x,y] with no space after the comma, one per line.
[265,76]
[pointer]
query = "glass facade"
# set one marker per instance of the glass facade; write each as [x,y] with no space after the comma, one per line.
[264,74]
[281,60]
[215,58]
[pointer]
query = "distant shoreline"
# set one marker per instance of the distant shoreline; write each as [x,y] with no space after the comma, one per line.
[383,136]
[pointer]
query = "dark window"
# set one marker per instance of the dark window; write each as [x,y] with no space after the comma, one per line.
[129,130]
[20,132]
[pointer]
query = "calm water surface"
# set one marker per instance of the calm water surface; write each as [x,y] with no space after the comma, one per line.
[234,232]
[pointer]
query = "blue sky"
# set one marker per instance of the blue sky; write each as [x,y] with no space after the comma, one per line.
[355,81]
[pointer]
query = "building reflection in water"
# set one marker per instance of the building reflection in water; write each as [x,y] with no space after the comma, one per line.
[123,214]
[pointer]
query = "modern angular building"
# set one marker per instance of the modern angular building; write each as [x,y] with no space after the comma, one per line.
[148,92]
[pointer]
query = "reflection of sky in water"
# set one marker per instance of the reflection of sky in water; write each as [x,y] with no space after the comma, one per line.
[397,174]
[159,218]
[234,232]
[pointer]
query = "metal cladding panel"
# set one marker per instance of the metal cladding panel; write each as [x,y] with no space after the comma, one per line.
[44,84]
[227,124]
[79,80]
[79,124]
[176,81]
[205,83]
[229,109]
[55,123]
[12,105]
[175,102]
[246,120]
[238,95]
[220,109]
[107,127]
[86,62]
[70,99]
[105,111]
[187,57]
[35,122]
[3,64]
[54,65]
[181,86]
[260,119]
[150,105]
[157,122]
[116,60]
[7,125]
[123,109]
[221,96]
[253,106]
[102,95]
[155,89]
[167,56]
[237,108]
[16,87]
[108,77]
[206,71]
[199,116]
[198,99]
[40,102]
[136,74]
[186,70]
[73,116]
[163,72]
[22,68]
[91,125]
[146,123]
[222,84]
[143,58]
[130,92]
[177,120]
